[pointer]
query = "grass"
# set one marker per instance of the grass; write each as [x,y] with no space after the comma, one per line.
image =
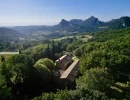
[81,37]
[75,58]
[65,37]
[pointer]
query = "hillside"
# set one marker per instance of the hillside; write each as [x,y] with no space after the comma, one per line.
[122,22]
[104,61]
[76,21]
[110,34]
[64,28]
[30,29]
[9,35]
[92,21]
[76,25]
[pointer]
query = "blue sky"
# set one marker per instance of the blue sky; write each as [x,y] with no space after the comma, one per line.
[50,12]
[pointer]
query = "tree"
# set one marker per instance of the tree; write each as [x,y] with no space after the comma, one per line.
[5,92]
[77,52]
[20,66]
[94,79]
[44,72]
[47,62]
[16,71]
[128,94]
[48,49]
[73,95]
[37,52]
[20,52]
[2,59]
[53,47]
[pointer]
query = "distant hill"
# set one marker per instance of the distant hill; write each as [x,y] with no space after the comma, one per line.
[76,21]
[110,34]
[92,21]
[30,29]
[64,24]
[9,35]
[76,25]
[122,22]
[35,32]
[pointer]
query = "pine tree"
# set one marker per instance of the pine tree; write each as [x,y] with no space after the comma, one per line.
[48,50]
[53,47]
[2,59]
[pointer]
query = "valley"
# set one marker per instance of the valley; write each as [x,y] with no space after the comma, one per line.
[64,28]
[65,50]
[93,58]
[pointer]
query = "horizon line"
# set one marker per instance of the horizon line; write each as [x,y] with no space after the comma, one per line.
[55,23]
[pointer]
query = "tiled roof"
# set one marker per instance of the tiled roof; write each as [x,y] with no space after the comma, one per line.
[68,71]
[62,62]
[61,72]
[61,58]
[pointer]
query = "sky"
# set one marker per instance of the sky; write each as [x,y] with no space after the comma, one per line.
[50,12]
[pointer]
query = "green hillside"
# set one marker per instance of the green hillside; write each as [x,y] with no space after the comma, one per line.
[104,68]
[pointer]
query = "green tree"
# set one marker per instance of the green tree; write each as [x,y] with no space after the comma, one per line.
[48,49]
[73,95]
[53,47]
[2,58]
[44,72]
[5,92]
[47,62]
[16,71]
[20,66]
[94,79]
[37,52]
[128,94]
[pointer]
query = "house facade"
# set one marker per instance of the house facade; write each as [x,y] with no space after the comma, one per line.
[67,73]
[63,61]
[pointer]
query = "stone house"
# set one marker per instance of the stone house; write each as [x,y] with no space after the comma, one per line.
[67,73]
[63,61]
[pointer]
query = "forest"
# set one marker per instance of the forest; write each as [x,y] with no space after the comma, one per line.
[104,68]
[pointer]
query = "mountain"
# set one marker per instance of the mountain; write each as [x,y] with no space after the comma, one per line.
[30,29]
[76,21]
[64,24]
[92,21]
[9,35]
[122,22]
[75,25]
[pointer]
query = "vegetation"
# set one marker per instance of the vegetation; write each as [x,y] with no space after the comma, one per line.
[104,68]
[104,62]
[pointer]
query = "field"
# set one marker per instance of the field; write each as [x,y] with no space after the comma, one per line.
[81,37]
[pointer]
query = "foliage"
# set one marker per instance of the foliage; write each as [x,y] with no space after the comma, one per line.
[43,71]
[104,60]
[86,88]
[37,52]
[74,95]
[128,94]
[112,55]
[74,45]
[16,71]
[110,34]
[9,35]
[94,79]
[47,62]
[4,90]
